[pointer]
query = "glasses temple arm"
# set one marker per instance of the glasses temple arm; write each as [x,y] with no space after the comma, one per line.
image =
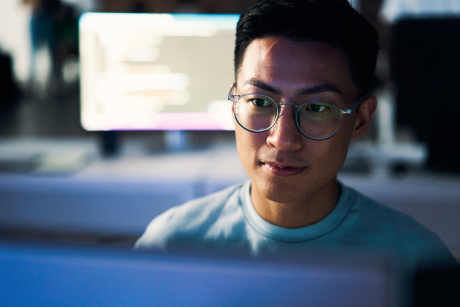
[353,107]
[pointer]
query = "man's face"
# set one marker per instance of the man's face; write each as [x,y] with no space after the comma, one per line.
[284,166]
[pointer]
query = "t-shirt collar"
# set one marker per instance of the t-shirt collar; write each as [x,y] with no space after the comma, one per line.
[309,232]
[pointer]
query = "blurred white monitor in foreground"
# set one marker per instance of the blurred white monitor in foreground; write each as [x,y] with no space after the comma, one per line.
[156,71]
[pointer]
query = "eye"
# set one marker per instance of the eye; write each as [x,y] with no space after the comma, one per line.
[317,108]
[261,102]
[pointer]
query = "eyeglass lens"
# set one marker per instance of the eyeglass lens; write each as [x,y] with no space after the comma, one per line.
[315,119]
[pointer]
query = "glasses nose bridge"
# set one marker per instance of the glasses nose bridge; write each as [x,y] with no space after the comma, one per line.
[285,103]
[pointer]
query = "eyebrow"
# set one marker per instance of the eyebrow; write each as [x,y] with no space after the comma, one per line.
[325,87]
[260,84]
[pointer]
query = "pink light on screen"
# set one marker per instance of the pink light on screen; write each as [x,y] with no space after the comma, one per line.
[182,121]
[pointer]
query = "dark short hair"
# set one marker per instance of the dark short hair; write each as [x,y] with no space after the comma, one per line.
[332,22]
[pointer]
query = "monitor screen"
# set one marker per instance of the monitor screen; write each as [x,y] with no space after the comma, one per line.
[156,71]
[44,276]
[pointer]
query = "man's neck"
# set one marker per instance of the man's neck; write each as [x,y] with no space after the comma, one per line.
[308,210]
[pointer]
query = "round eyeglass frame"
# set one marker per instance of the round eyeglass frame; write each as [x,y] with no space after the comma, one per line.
[342,111]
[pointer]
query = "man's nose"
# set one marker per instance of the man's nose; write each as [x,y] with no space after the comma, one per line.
[285,135]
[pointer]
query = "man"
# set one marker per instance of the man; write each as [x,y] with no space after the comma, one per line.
[303,70]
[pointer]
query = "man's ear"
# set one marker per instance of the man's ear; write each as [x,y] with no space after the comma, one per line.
[229,88]
[363,119]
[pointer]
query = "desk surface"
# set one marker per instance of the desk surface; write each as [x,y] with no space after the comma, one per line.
[72,189]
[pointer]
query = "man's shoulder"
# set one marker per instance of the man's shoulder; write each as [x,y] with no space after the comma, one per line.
[383,216]
[388,227]
[190,221]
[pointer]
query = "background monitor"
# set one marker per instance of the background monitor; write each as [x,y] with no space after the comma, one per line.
[156,71]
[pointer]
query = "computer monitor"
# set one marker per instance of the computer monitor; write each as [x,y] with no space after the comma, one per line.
[156,71]
[34,275]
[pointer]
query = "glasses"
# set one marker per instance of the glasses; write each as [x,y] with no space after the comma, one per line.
[316,119]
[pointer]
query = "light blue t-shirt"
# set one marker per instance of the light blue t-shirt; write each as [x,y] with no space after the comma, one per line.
[227,219]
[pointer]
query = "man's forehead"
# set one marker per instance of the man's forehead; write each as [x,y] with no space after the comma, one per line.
[309,66]
[272,42]
[308,90]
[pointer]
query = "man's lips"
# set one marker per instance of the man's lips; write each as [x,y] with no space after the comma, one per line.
[282,169]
